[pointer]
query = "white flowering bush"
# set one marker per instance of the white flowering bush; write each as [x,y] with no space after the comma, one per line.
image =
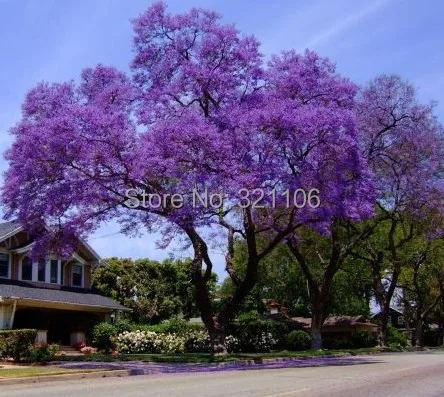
[149,342]
[232,343]
[197,342]
[263,342]
[138,342]
[172,343]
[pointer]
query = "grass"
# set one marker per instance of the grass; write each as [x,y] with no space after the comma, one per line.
[22,372]
[208,358]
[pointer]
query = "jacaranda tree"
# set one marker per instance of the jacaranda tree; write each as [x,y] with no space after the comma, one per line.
[403,143]
[200,111]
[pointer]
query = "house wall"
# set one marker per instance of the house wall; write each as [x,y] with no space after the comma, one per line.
[87,276]
[5,316]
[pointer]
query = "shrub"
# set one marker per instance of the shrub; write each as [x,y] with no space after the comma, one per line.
[258,335]
[298,340]
[363,339]
[123,325]
[198,342]
[232,343]
[79,345]
[149,342]
[88,350]
[103,336]
[41,353]
[17,344]
[396,338]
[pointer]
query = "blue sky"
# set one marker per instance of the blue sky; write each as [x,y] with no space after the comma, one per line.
[53,40]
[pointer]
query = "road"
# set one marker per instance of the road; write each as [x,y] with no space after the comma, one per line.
[390,375]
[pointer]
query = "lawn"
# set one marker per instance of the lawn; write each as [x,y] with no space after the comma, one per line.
[21,372]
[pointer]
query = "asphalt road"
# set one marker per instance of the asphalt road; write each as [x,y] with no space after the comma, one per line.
[391,375]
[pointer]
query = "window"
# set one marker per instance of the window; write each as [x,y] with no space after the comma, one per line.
[4,265]
[26,269]
[41,273]
[401,320]
[54,274]
[77,275]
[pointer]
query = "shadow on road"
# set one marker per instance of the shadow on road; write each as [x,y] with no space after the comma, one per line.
[145,368]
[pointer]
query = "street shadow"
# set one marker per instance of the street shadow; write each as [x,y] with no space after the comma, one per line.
[145,368]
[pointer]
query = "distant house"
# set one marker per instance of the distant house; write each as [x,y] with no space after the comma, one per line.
[340,327]
[51,295]
[335,327]
[396,318]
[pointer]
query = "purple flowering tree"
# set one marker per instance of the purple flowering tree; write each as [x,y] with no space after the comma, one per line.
[200,112]
[403,142]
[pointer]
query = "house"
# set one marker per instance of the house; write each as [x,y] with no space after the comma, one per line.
[340,327]
[52,295]
[335,327]
[396,318]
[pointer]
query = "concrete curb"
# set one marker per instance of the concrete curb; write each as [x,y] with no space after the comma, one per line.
[66,377]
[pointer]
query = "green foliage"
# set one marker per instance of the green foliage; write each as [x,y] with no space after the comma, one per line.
[17,343]
[155,291]
[358,340]
[42,353]
[104,335]
[395,337]
[363,339]
[250,329]
[298,340]
[279,278]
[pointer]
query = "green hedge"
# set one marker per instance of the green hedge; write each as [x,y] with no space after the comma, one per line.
[298,340]
[17,343]
[250,327]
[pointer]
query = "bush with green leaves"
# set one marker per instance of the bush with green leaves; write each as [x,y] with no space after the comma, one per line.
[16,344]
[396,338]
[256,334]
[361,340]
[42,353]
[298,340]
[138,342]
[197,342]
[104,335]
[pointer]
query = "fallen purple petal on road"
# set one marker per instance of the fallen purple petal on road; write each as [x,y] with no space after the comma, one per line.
[170,368]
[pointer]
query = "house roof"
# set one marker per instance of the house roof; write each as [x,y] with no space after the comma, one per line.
[335,321]
[7,228]
[10,289]
[377,312]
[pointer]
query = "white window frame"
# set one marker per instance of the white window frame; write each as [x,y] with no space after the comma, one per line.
[59,270]
[3,251]
[82,285]
[35,270]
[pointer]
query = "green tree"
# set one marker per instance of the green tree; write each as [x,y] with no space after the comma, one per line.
[154,290]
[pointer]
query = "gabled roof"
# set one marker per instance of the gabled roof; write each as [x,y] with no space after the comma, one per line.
[392,309]
[9,228]
[10,289]
[336,321]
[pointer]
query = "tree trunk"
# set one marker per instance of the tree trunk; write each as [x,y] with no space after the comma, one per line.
[419,340]
[217,340]
[382,327]
[317,320]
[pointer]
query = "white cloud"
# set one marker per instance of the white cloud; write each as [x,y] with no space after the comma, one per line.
[345,24]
